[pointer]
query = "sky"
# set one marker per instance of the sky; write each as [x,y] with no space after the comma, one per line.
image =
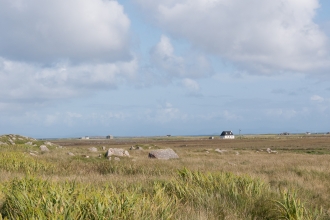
[72,68]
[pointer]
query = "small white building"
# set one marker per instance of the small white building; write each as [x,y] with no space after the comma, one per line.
[109,137]
[227,135]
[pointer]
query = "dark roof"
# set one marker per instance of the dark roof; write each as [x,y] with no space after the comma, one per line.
[226,133]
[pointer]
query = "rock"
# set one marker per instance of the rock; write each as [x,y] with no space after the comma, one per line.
[207,152]
[1,143]
[92,149]
[103,148]
[109,158]
[139,148]
[44,148]
[35,152]
[70,154]
[117,152]
[126,153]
[32,154]
[271,151]
[163,154]
[132,148]
[220,151]
[29,143]
[48,143]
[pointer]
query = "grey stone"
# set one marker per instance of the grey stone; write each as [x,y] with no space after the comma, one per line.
[117,152]
[44,148]
[35,152]
[126,153]
[48,143]
[70,154]
[163,154]
[220,151]
[271,151]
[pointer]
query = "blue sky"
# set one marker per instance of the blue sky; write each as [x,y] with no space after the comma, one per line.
[144,68]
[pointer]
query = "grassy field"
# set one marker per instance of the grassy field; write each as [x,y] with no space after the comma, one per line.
[242,181]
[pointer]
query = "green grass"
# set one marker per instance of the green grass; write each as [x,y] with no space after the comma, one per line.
[212,195]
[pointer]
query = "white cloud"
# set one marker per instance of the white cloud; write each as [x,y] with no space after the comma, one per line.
[52,119]
[30,82]
[78,30]
[260,36]
[190,84]
[164,113]
[317,98]
[230,116]
[164,60]
[62,49]
[163,57]
[284,113]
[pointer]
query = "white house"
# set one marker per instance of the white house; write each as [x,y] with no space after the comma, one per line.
[109,137]
[227,135]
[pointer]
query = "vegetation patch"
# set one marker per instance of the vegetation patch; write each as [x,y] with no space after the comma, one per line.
[198,185]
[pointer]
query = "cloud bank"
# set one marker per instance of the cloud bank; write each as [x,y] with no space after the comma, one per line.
[259,36]
[62,49]
[78,30]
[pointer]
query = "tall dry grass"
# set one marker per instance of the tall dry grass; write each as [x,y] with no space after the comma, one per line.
[241,183]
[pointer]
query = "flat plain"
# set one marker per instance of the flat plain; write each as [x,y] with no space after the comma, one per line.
[296,164]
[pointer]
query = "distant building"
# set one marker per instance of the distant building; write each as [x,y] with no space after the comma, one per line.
[227,135]
[211,138]
[308,133]
[109,137]
[168,135]
[84,138]
[285,133]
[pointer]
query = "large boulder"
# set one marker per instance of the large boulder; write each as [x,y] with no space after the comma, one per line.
[44,148]
[163,154]
[117,152]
